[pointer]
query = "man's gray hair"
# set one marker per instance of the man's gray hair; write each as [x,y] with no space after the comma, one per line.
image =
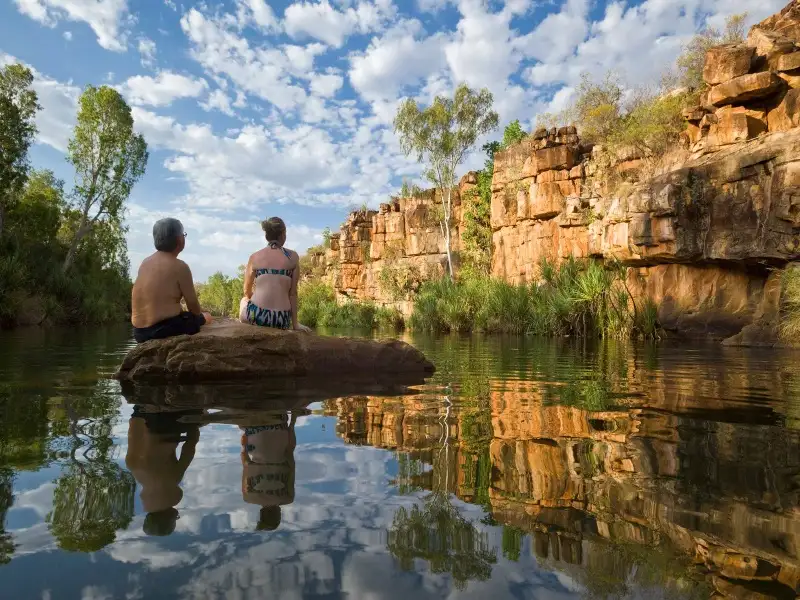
[166,233]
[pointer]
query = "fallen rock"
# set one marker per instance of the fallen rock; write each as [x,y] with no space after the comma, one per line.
[736,124]
[785,23]
[744,88]
[724,63]
[229,351]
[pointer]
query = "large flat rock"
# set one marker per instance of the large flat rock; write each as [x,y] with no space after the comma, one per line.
[232,351]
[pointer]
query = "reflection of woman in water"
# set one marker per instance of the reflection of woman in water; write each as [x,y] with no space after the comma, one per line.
[268,467]
[153,440]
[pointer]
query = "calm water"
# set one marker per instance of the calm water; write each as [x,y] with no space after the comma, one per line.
[523,469]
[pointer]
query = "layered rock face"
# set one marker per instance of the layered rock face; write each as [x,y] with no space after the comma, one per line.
[403,237]
[701,234]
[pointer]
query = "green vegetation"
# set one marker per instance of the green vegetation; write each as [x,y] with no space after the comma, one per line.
[318,308]
[441,135]
[63,255]
[220,295]
[477,236]
[790,322]
[577,298]
[437,532]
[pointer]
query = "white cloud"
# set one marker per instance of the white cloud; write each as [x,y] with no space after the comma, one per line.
[218,100]
[401,57]
[321,21]
[162,89]
[259,13]
[68,36]
[263,71]
[147,51]
[326,84]
[107,18]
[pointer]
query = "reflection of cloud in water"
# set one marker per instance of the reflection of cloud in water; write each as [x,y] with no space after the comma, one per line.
[331,540]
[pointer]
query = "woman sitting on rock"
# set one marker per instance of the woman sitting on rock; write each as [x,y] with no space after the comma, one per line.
[270,282]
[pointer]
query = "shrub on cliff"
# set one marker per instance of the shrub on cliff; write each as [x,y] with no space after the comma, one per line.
[790,323]
[692,60]
[576,298]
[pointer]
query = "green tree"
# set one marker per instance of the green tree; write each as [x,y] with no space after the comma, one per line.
[7,545]
[692,60]
[220,295]
[109,158]
[441,135]
[598,106]
[94,496]
[513,134]
[438,533]
[18,106]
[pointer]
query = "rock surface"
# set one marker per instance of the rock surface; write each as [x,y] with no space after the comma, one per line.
[227,350]
[700,232]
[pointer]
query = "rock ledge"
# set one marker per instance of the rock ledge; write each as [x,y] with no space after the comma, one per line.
[231,351]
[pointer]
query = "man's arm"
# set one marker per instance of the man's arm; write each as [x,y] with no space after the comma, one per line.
[186,284]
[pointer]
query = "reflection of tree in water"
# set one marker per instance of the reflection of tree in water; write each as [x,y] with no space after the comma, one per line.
[6,500]
[438,533]
[94,496]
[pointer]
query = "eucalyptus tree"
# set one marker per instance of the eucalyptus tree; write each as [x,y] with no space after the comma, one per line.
[441,136]
[18,107]
[109,158]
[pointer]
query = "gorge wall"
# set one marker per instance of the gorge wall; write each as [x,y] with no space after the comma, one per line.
[701,234]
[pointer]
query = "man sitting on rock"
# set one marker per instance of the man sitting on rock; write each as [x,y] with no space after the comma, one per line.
[163,280]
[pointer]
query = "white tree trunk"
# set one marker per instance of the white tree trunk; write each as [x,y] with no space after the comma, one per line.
[73,248]
[446,198]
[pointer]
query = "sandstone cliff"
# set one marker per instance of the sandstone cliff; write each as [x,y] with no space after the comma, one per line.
[383,255]
[701,233]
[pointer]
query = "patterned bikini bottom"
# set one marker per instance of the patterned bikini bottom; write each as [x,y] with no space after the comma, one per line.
[265,317]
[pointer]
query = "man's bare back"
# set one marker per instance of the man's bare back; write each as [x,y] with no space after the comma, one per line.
[163,280]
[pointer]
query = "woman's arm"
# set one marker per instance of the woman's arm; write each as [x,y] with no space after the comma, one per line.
[293,291]
[248,280]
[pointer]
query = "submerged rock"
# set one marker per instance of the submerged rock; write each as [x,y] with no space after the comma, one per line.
[228,350]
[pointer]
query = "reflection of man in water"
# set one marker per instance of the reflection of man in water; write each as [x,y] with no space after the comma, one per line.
[153,440]
[268,467]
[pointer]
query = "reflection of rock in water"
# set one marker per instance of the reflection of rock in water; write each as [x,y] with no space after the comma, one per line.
[616,491]
[272,395]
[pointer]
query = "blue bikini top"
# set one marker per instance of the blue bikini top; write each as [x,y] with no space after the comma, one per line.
[287,272]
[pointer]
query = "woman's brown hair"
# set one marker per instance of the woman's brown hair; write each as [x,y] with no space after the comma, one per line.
[274,228]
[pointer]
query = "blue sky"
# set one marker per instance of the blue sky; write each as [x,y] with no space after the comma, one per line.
[254,108]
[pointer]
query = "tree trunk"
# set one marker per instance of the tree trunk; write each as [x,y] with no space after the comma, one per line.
[73,248]
[447,209]
[2,219]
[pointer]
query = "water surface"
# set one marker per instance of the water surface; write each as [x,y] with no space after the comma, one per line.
[523,469]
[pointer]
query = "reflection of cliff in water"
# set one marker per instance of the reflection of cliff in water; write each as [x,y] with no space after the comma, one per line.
[662,488]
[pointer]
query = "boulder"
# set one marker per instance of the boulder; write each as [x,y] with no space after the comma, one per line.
[786,115]
[230,351]
[769,47]
[557,157]
[788,62]
[736,124]
[724,63]
[785,23]
[744,88]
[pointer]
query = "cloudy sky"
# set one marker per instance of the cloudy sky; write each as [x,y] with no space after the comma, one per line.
[254,108]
